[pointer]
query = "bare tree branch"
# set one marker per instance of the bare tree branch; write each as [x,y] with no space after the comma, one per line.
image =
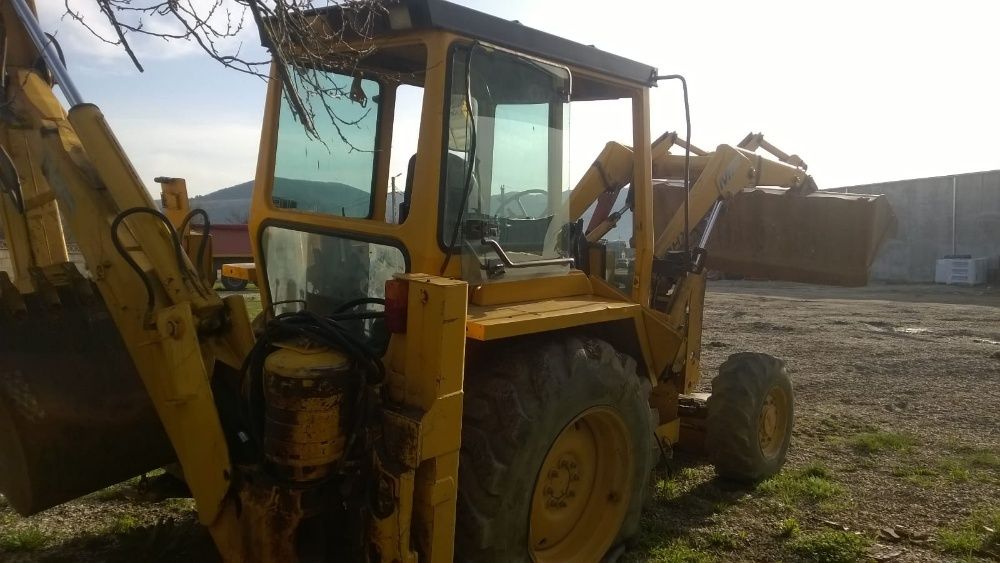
[302,46]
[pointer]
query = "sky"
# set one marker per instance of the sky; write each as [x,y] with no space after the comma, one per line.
[864,91]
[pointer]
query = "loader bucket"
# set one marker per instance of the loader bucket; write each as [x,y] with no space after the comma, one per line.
[74,415]
[822,238]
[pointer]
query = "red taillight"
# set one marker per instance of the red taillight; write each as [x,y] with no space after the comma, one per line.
[396,292]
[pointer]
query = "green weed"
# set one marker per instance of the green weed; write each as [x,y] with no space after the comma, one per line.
[830,546]
[179,504]
[678,552]
[721,539]
[667,489]
[981,459]
[789,528]
[869,443]
[978,533]
[810,484]
[122,525]
[23,539]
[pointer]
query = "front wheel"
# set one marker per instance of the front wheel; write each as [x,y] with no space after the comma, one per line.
[750,415]
[557,451]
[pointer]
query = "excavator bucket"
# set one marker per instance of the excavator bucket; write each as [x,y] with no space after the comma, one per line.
[777,234]
[74,415]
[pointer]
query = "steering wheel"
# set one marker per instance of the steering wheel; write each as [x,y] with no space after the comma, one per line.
[515,197]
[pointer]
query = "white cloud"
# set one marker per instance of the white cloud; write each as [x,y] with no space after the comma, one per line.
[209,154]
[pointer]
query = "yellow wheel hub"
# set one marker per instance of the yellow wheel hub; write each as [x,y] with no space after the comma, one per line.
[582,491]
[773,423]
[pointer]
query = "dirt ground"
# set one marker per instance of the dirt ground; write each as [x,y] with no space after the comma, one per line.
[895,454]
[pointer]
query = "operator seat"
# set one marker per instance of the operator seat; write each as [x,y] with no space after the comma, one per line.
[454,186]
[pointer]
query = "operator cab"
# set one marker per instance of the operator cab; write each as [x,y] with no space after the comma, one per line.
[471,111]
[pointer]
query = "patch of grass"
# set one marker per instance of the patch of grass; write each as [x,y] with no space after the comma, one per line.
[179,504]
[918,475]
[869,443]
[830,546]
[955,471]
[721,539]
[23,539]
[667,489]
[809,484]
[678,552]
[979,533]
[789,528]
[982,459]
[122,525]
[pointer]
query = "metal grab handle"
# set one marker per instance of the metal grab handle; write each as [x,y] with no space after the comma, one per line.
[507,262]
[48,51]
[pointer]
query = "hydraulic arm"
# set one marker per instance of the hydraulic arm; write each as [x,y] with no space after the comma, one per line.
[176,329]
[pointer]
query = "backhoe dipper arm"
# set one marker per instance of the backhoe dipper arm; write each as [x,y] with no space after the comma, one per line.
[176,329]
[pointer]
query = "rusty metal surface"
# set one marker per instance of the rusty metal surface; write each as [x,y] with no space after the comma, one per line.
[306,414]
[819,238]
[74,415]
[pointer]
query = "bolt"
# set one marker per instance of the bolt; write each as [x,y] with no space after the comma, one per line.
[574,477]
[570,493]
[562,504]
[553,473]
[547,490]
[572,465]
[562,464]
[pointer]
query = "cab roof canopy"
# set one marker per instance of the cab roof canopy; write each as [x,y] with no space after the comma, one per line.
[400,17]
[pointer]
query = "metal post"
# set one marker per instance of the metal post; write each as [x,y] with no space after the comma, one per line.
[48,51]
[954,200]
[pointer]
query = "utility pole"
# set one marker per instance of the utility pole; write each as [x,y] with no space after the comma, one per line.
[393,197]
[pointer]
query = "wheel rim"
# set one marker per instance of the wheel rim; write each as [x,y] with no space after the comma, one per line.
[582,491]
[773,424]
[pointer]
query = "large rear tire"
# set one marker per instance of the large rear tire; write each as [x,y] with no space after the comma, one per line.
[557,452]
[750,416]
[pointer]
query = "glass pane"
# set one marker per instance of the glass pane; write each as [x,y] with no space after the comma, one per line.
[514,129]
[405,132]
[332,172]
[323,272]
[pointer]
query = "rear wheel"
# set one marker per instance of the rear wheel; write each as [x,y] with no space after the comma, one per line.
[557,450]
[750,415]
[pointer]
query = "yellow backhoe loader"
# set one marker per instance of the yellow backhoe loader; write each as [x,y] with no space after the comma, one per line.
[466,382]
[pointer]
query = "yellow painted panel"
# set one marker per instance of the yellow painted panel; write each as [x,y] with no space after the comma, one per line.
[504,321]
[531,289]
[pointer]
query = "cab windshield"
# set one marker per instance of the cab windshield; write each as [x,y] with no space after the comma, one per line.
[506,161]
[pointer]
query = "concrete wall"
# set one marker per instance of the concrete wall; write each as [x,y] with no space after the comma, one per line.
[937,216]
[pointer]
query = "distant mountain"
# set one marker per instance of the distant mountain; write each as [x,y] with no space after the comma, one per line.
[226,206]
[232,205]
[239,191]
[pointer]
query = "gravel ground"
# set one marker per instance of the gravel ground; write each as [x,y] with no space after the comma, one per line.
[895,453]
